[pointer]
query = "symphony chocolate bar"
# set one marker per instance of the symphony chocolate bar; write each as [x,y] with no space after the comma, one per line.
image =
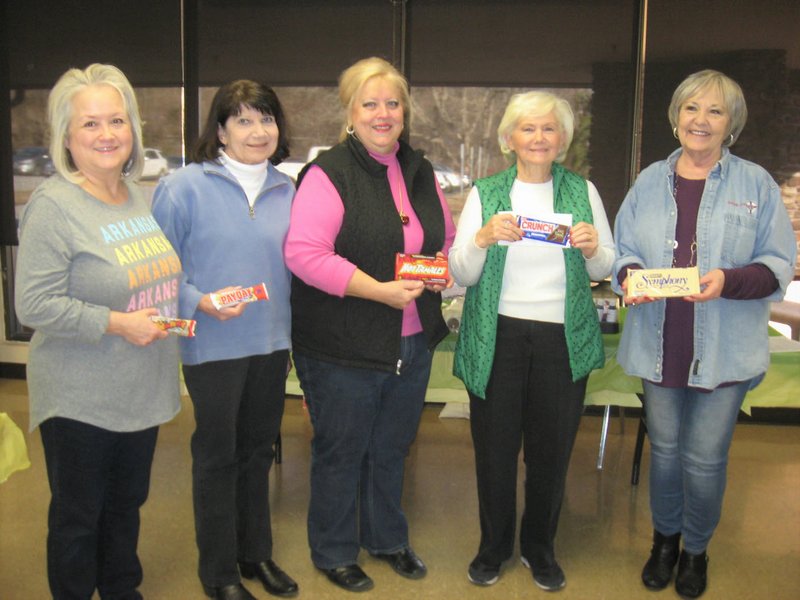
[183,327]
[429,269]
[249,294]
[663,283]
[544,231]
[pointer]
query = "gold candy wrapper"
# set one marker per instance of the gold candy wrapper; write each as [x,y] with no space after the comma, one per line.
[663,283]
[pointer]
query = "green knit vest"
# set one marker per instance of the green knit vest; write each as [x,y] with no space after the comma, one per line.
[474,353]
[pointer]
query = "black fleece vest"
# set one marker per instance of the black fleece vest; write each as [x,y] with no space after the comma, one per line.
[354,331]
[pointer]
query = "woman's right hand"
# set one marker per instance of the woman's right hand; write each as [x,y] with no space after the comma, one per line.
[399,294]
[222,314]
[633,300]
[502,226]
[135,327]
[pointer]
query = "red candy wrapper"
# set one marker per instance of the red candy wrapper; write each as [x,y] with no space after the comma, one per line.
[182,327]
[250,294]
[420,267]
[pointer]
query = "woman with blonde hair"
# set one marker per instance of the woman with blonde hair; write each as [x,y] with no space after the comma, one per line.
[101,375]
[362,341]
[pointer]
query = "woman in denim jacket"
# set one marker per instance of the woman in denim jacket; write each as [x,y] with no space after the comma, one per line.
[699,355]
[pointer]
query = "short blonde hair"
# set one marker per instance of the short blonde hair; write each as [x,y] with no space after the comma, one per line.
[353,79]
[59,115]
[536,104]
[732,98]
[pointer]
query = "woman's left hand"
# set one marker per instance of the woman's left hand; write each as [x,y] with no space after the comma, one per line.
[438,287]
[584,237]
[711,285]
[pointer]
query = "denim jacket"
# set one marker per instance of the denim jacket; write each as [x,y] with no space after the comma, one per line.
[741,220]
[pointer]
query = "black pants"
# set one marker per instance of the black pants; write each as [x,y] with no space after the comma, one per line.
[238,406]
[98,479]
[531,401]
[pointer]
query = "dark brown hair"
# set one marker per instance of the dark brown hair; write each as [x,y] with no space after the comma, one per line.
[228,101]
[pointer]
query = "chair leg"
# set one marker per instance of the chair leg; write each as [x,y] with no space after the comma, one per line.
[278,450]
[637,453]
[603,436]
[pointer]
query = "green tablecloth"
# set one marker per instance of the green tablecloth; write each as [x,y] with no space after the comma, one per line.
[610,385]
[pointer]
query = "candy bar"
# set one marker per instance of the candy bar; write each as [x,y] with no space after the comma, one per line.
[419,267]
[544,231]
[182,327]
[233,297]
[663,283]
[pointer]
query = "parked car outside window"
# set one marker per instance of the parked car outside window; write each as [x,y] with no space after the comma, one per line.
[33,160]
[155,164]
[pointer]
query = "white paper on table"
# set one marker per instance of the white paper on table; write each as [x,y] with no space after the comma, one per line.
[779,343]
[558,218]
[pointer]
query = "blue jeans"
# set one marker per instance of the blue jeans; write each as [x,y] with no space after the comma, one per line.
[364,422]
[238,407]
[690,433]
[98,481]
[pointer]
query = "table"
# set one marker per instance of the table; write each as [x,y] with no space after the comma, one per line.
[611,386]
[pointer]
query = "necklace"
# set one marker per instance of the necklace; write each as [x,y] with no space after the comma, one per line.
[692,260]
[404,218]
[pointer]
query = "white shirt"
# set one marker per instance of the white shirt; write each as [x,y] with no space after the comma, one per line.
[534,279]
[250,177]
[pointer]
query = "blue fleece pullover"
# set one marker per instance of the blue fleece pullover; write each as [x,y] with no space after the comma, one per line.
[204,213]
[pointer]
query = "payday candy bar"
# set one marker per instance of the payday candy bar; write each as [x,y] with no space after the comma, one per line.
[184,327]
[420,267]
[249,294]
[544,231]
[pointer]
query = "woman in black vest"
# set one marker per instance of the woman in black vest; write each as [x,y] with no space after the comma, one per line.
[363,342]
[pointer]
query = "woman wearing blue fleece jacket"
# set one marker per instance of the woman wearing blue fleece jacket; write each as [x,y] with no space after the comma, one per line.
[226,215]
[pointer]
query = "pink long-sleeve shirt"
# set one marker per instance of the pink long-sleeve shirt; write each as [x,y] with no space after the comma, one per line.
[317,214]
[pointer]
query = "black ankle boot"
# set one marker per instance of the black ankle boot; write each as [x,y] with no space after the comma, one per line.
[658,570]
[690,582]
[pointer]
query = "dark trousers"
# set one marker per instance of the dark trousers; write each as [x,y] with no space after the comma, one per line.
[98,479]
[365,421]
[531,401]
[238,406]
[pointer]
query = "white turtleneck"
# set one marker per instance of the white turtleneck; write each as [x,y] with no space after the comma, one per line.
[250,177]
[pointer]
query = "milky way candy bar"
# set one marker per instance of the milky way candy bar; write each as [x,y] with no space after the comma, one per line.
[182,327]
[420,267]
[544,231]
[249,294]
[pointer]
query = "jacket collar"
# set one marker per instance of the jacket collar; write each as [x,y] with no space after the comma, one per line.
[274,177]
[721,168]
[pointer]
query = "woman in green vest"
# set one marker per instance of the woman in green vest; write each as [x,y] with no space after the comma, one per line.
[529,333]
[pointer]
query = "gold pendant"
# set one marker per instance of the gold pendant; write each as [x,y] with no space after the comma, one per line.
[404,218]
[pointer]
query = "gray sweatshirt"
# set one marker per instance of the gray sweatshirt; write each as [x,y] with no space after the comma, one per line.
[79,258]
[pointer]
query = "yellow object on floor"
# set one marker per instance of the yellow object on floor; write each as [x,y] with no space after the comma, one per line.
[13,451]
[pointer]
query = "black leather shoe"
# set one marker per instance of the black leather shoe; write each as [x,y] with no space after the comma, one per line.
[274,580]
[405,563]
[658,569]
[690,582]
[350,578]
[234,591]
